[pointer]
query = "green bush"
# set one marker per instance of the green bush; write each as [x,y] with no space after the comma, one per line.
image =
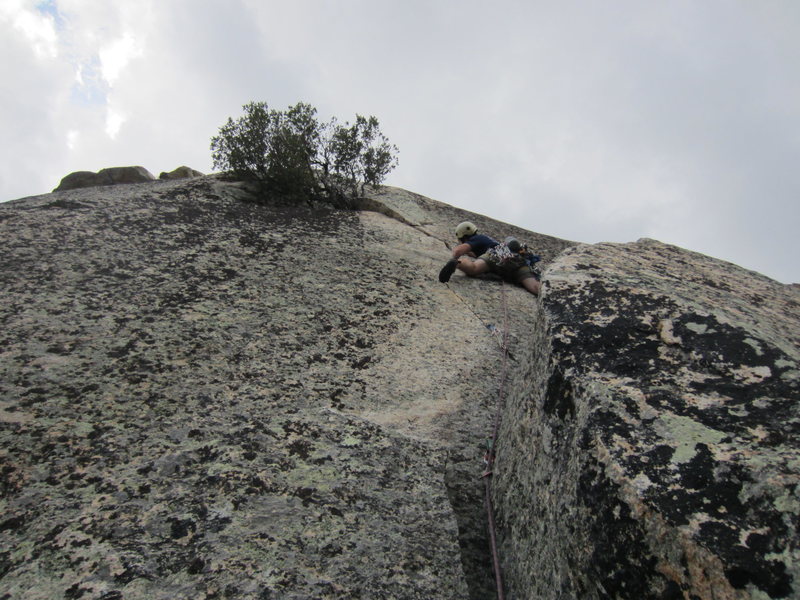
[294,156]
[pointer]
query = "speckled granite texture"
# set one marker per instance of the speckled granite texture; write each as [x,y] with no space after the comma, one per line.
[651,446]
[203,397]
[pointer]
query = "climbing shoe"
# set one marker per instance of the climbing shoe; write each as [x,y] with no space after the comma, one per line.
[448,269]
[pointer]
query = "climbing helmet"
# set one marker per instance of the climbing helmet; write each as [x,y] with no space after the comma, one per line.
[464,229]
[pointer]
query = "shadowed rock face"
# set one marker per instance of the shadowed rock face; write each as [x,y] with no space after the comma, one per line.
[204,397]
[660,423]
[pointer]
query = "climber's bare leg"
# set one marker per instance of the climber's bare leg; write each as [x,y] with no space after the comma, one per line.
[472,266]
[532,285]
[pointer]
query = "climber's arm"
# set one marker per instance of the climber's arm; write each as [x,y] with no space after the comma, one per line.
[461,250]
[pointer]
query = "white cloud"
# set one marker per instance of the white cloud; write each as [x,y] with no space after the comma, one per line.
[592,122]
[73,137]
[115,56]
[114,121]
[38,28]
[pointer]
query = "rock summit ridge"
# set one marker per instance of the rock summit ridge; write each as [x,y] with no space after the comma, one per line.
[119,176]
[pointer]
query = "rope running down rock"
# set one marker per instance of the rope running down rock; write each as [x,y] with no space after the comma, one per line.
[489,456]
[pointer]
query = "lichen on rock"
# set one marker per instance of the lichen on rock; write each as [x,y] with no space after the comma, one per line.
[205,397]
[662,457]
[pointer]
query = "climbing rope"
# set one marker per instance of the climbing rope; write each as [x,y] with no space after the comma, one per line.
[489,456]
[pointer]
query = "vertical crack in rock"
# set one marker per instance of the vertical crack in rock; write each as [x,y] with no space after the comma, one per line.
[467,505]
[460,337]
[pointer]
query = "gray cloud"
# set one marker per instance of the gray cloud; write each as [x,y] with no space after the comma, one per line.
[590,121]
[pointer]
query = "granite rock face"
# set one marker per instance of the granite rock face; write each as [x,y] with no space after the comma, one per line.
[183,172]
[109,176]
[205,397]
[651,447]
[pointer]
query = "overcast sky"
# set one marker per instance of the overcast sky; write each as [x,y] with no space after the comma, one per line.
[588,120]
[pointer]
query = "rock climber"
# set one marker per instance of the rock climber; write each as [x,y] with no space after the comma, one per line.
[478,254]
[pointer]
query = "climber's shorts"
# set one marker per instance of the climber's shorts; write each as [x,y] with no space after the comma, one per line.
[515,269]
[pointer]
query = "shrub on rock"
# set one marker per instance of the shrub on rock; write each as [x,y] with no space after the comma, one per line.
[296,157]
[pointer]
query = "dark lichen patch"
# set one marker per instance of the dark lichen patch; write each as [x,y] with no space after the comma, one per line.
[558,399]
[768,576]
[620,559]
[66,204]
